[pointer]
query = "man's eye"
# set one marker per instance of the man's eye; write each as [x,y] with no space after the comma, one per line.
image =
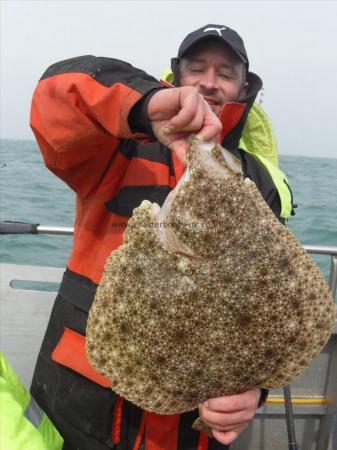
[225,76]
[196,70]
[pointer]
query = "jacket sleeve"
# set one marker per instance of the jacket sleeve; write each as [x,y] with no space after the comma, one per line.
[80,111]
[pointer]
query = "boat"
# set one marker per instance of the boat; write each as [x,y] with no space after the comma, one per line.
[304,420]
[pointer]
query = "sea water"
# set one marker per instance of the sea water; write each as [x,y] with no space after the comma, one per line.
[31,193]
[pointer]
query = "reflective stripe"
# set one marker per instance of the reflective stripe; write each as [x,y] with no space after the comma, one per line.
[33,413]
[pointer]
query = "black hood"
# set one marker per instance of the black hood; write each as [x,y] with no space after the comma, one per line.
[232,139]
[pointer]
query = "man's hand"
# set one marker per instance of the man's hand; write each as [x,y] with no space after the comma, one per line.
[178,112]
[228,416]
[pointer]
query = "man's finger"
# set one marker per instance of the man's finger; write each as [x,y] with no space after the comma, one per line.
[222,419]
[237,428]
[226,437]
[211,128]
[209,133]
[233,403]
[191,115]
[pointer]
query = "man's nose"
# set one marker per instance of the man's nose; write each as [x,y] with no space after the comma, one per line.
[209,80]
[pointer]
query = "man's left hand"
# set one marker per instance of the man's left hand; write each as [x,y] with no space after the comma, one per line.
[229,416]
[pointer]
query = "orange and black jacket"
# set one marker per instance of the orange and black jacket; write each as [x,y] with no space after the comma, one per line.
[89,118]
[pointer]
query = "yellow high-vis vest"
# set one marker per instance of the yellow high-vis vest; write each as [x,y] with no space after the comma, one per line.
[23,424]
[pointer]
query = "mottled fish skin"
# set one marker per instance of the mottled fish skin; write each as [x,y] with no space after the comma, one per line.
[236,303]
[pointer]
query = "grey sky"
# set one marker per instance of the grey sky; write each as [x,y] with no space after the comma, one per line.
[291,45]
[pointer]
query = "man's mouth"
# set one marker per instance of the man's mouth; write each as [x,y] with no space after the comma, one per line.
[211,100]
[213,103]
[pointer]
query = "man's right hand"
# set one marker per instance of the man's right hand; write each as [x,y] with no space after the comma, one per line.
[178,112]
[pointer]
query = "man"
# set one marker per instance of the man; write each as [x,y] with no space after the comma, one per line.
[118,136]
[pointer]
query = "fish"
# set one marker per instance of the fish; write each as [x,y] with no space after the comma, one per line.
[209,295]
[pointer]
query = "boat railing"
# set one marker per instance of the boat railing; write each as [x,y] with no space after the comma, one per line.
[21,228]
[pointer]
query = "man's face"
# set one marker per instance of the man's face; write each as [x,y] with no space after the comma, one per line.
[216,71]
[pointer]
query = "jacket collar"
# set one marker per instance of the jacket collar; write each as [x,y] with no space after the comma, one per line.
[234,115]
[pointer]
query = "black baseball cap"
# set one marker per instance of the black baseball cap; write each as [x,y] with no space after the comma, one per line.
[222,33]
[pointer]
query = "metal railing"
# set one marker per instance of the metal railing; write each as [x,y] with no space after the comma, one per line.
[66,231]
[23,228]
[332,251]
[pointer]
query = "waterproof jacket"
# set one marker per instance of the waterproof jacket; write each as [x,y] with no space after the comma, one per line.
[79,115]
[23,423]
[88,118]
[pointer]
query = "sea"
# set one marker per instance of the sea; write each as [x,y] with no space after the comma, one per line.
[30,193]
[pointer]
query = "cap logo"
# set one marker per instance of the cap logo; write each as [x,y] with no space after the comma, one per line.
[214,29]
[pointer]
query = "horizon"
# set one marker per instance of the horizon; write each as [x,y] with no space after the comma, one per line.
[292,155]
